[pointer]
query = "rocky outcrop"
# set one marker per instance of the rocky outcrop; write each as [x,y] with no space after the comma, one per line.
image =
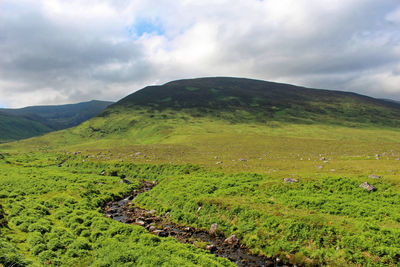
[290,180]
[367,186]
[213,228]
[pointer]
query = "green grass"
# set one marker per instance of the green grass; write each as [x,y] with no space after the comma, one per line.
[324,220]
[231,162]
[54,217]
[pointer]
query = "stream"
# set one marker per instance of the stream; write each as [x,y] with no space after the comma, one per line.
[124,211]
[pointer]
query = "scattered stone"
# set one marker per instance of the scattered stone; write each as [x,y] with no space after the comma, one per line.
[211,247]
[199,208]
[323,158]
[213,228]
[152,228]
[125,181]
[320,167]
[325,161]
[232,240]
[332,170]
[367,186]
[187,229]
[138,153]
[160,233]
[219,162]
[374,176]
[152,212]
[242,159]
[100,183]
[290,180]
[140,222]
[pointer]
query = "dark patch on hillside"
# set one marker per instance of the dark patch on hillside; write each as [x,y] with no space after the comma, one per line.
[238,99]
[3,220]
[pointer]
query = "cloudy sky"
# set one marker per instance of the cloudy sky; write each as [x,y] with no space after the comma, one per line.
[54,52]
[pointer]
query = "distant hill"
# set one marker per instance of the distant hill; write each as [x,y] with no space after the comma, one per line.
[16,127]
[31,121]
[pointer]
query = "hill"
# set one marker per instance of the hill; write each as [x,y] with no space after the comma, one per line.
[36,120]
[16,127]
[238,99]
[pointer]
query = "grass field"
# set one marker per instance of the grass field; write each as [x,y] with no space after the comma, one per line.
[325,218]
[232,164]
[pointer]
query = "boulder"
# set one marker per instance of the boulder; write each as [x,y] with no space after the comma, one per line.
[367,186]
[232,240]
[213,228]
[211,247]
[160,233]
[140,222]
[290,180]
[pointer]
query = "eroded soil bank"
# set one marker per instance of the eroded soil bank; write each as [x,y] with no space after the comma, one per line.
[124,211]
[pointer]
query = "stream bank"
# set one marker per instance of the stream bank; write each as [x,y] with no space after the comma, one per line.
[124,211]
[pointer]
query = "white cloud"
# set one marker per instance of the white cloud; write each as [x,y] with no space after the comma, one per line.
[64,51]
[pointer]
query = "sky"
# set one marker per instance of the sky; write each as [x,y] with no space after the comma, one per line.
[57,52]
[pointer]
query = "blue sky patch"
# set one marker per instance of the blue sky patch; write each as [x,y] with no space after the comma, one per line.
[145,25]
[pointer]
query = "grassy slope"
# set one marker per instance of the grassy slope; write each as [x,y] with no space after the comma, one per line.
[324,219]
[14,128]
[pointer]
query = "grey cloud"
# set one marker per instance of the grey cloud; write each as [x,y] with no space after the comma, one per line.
[348,47]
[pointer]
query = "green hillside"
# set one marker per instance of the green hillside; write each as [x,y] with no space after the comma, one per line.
[36,120]
[277,165]
[16,127]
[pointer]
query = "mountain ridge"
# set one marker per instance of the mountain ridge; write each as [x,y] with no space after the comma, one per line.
[31,121]
[270,100]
